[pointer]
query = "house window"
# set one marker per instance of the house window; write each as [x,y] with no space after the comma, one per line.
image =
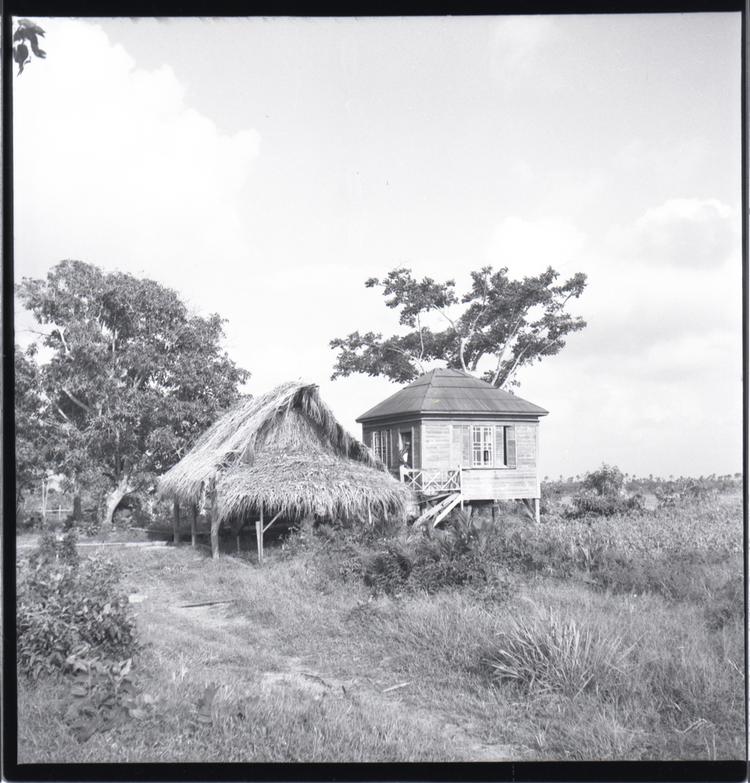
[482,447]
[381,443]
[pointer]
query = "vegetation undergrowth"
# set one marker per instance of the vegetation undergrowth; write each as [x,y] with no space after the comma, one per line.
[317,660]
[65,603]
[397,562]
[74,623]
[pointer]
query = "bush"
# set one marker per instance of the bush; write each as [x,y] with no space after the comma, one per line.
[591,504]
[64,604]
[388,570]
[606,481]
[548,654]
[464,554]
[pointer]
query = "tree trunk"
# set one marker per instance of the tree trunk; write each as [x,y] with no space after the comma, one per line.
[114,498]
[77,507]
[176,522]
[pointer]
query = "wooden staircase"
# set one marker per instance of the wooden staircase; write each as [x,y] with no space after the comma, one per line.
[438,512]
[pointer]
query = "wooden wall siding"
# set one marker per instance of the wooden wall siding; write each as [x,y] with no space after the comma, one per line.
[436,446]
[503,484]
[444,445]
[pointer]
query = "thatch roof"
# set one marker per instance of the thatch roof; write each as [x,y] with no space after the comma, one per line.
[286,451]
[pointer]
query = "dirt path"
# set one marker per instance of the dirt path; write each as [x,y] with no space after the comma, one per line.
[299,674]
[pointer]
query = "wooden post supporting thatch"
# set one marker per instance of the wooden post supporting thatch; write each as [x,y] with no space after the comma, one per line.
[213,519]
[494,510]
[193,519]
[176,522]
[537,513]
[214,526]
[369,514]
[259,536]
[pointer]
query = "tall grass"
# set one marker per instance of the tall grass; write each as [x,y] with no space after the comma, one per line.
[548,652]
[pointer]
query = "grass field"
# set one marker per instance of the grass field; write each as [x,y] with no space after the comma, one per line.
[307,665]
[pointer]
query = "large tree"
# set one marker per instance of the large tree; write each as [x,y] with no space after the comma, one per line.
[133,377]
[496,327]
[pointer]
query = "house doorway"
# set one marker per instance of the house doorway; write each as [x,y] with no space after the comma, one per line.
[404,449]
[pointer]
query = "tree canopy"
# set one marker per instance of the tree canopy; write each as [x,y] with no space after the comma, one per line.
[499,325]
[133,377]
[27,32]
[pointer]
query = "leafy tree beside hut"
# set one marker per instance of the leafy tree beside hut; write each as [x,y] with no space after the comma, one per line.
[131,379]
[282,455]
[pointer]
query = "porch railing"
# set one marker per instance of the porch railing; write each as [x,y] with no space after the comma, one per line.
[431,482]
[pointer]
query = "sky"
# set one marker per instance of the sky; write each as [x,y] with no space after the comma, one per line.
[265,168]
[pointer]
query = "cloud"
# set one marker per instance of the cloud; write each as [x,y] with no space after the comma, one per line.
[681,232]
[112,166]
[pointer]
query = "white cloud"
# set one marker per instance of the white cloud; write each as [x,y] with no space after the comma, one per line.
[683,233]
[113,167]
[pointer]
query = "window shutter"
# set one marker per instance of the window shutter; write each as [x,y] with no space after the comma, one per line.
[416,446]
[393,441]
[499,446]
[466,445]
[510,445]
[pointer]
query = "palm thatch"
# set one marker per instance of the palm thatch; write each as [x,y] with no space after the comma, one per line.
[285,452]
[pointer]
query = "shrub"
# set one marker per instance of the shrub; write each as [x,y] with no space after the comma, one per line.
[607,480]
[63,604]
[590,504]
[464,554]
[547,653]
[388,570]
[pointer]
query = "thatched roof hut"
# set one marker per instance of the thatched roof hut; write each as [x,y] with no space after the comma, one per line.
[284,453]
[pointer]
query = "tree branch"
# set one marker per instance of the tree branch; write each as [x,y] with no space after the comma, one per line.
[421,340]
[399,350]
[461,352]
[61,412]
[62,340]
[506,344]
[512,371]
[75,399]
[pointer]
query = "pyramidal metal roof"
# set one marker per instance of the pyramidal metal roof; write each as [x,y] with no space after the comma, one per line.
[451,391]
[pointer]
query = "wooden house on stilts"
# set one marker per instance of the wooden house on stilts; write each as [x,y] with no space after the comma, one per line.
[456,439]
